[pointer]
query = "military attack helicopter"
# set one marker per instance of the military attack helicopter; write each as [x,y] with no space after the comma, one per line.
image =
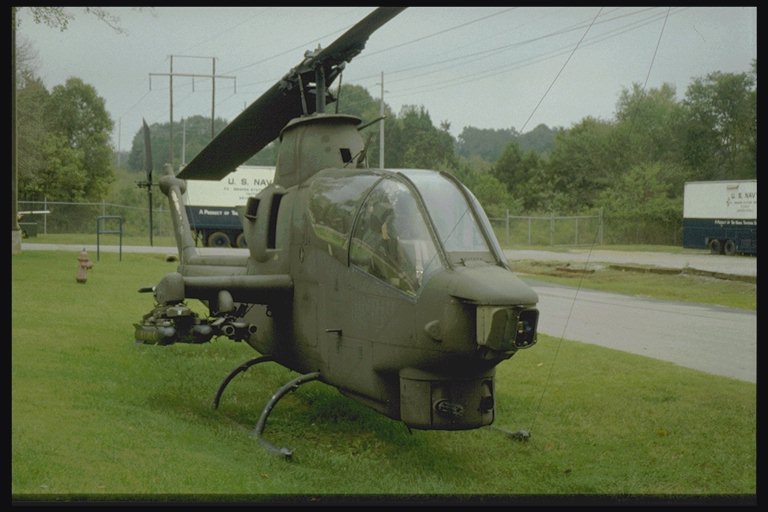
[387,284]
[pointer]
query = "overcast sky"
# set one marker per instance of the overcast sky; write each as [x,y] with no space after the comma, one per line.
[487,67]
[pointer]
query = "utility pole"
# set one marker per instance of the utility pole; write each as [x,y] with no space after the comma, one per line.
[381,125]
[213,92]
[15,228]
[119,134]
[213,76]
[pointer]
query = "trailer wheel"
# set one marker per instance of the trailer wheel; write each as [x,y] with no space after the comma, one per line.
[729,248]
[715,247]
[240,241]
[218,239]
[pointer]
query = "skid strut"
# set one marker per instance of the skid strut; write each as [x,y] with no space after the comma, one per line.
[234,373]
[291,386]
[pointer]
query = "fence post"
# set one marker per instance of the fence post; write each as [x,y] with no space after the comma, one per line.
[99,231]
[507,226]
[577,231]
[600,226]
[529,231]
[552,228]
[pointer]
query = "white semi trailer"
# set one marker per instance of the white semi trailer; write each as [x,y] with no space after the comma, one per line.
[721,216]
[211,205]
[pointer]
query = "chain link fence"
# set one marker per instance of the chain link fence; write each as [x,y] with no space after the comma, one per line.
[583,230]
[50,217]
[516,231]
[54,217]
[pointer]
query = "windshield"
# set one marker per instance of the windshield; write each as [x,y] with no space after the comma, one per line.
[452,216]
[334,199]
[378,223]
[391,240]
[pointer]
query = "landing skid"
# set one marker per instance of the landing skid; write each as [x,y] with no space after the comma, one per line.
[293,385]
[234,373]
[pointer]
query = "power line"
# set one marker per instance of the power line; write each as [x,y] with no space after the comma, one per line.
[491,51]
[430,87]
[558,73]
[655,51]
[213,76]
[227,30]
[475,55]
[462,25]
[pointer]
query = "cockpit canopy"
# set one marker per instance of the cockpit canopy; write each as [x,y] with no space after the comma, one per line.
[400,226]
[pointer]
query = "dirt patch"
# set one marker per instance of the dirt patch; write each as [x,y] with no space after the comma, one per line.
[685,271]
[565,269]
[555,268]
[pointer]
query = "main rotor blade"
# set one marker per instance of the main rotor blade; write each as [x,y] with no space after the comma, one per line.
[147,152]
[261,122]
[352,42]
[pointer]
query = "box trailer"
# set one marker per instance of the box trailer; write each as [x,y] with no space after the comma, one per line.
[212,205]
[721,216]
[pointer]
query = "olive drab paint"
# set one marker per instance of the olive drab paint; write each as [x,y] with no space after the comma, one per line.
[387,284]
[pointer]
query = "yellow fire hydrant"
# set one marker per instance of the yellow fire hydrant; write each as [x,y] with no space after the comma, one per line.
[84,264]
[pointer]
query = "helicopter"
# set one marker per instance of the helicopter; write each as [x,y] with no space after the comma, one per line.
[386,284]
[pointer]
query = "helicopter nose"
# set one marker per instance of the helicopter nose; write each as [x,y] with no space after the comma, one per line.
[499,311]
[505,329]
[501,307]
[489,285]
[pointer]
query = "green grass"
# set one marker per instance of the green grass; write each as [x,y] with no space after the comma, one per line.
[676,286]
[96,417]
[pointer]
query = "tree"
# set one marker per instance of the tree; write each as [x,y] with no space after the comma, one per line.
[78,118]
[584,161]
[491,192]
[52,16]
[59,17]
[721,139]
[413,141]
[31,99]
[509,166]
[483,142]
[540,139]
[645,203]
[649,126]
[190,136]
[521,174]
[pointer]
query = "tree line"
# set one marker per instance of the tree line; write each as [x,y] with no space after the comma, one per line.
[633,166]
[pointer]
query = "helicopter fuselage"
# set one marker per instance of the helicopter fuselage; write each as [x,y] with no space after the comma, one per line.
[400,348]
[388,283]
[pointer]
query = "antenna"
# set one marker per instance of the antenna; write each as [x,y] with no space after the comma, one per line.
[148,170]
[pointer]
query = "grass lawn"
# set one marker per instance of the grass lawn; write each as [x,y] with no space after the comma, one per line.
[668,285]
[96,417]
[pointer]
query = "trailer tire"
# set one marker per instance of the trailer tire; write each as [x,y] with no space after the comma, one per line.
[219,239]
[715,247]
[729,248]
[240,241]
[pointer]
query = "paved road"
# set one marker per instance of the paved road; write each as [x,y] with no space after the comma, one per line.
[91,248]
[712,339]
[735,265]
